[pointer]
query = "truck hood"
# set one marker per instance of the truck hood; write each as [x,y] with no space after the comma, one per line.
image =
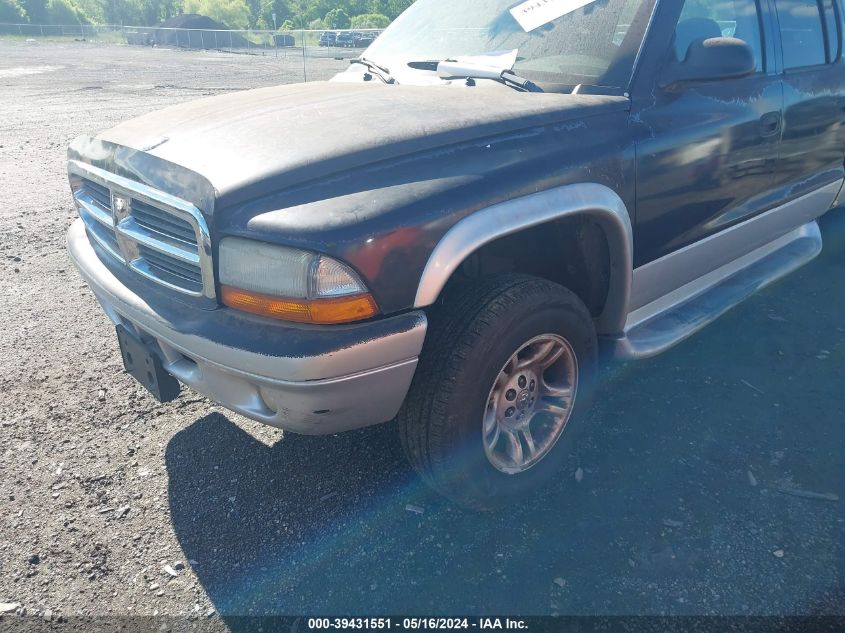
[252,143]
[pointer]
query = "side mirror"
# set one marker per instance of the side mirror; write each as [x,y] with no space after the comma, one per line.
[711,59]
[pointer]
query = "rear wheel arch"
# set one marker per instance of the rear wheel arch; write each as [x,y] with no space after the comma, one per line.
[594,229]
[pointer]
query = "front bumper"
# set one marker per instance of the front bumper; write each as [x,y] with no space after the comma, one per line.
[315,380]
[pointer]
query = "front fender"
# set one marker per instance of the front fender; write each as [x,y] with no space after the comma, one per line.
[482,227]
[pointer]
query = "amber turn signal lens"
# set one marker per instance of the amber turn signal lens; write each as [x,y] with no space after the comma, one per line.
[319,311]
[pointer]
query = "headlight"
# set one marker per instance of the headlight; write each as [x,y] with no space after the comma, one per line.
[290,284]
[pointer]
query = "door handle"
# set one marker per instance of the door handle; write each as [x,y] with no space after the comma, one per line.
[770,124]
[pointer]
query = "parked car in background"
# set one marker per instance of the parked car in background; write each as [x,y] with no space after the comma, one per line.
[614,176]
[363,40]
[328,38]
[344,39]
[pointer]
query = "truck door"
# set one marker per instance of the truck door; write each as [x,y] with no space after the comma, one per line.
[813,144]
[706,150]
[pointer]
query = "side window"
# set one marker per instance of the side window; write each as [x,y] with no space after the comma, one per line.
[802,33]
[719,18]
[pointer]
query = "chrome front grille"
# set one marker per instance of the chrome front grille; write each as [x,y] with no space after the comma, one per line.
[100,194]
[159,236]
[169,267]
[163,223]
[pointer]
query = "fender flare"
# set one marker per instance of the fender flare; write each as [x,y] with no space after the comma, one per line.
[486,225]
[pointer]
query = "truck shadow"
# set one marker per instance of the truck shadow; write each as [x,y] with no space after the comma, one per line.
[676,507]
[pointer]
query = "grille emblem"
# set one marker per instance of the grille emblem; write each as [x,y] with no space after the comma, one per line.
[120,209]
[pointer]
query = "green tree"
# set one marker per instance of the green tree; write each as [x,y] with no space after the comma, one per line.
[154,11]
[266,8]
[298,10]
[232,13]
[12,12]
[116,12]
[337,19]
[255,12]
[36,10]
[395,7]
[137,12]
[65,12]
[355,7]
[370,21]
[93,9]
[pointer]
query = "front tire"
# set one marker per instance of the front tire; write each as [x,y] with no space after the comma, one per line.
[501,389]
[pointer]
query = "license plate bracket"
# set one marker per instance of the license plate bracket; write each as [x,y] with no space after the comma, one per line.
[144,364]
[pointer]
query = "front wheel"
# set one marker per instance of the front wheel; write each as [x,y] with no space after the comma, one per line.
[501,389]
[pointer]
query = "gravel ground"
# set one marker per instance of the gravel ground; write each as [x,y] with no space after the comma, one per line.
[683,502]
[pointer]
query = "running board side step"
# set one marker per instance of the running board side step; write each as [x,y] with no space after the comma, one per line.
[678,315]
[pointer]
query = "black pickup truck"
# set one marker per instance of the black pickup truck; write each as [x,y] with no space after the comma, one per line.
[450,232]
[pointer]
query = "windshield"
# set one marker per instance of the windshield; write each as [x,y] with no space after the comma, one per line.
[558,42]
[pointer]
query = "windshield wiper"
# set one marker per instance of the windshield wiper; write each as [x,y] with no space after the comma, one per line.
[379,71]
[510,78]
[468,70]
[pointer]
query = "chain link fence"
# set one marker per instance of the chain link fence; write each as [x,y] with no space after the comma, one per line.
[88,31]
[337,43]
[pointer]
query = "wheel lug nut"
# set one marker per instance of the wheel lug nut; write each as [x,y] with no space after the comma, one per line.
[509,413]
[532,385]
[522,382]
[511,395]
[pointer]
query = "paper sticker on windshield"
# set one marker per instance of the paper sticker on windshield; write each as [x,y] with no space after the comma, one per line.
[535,13]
